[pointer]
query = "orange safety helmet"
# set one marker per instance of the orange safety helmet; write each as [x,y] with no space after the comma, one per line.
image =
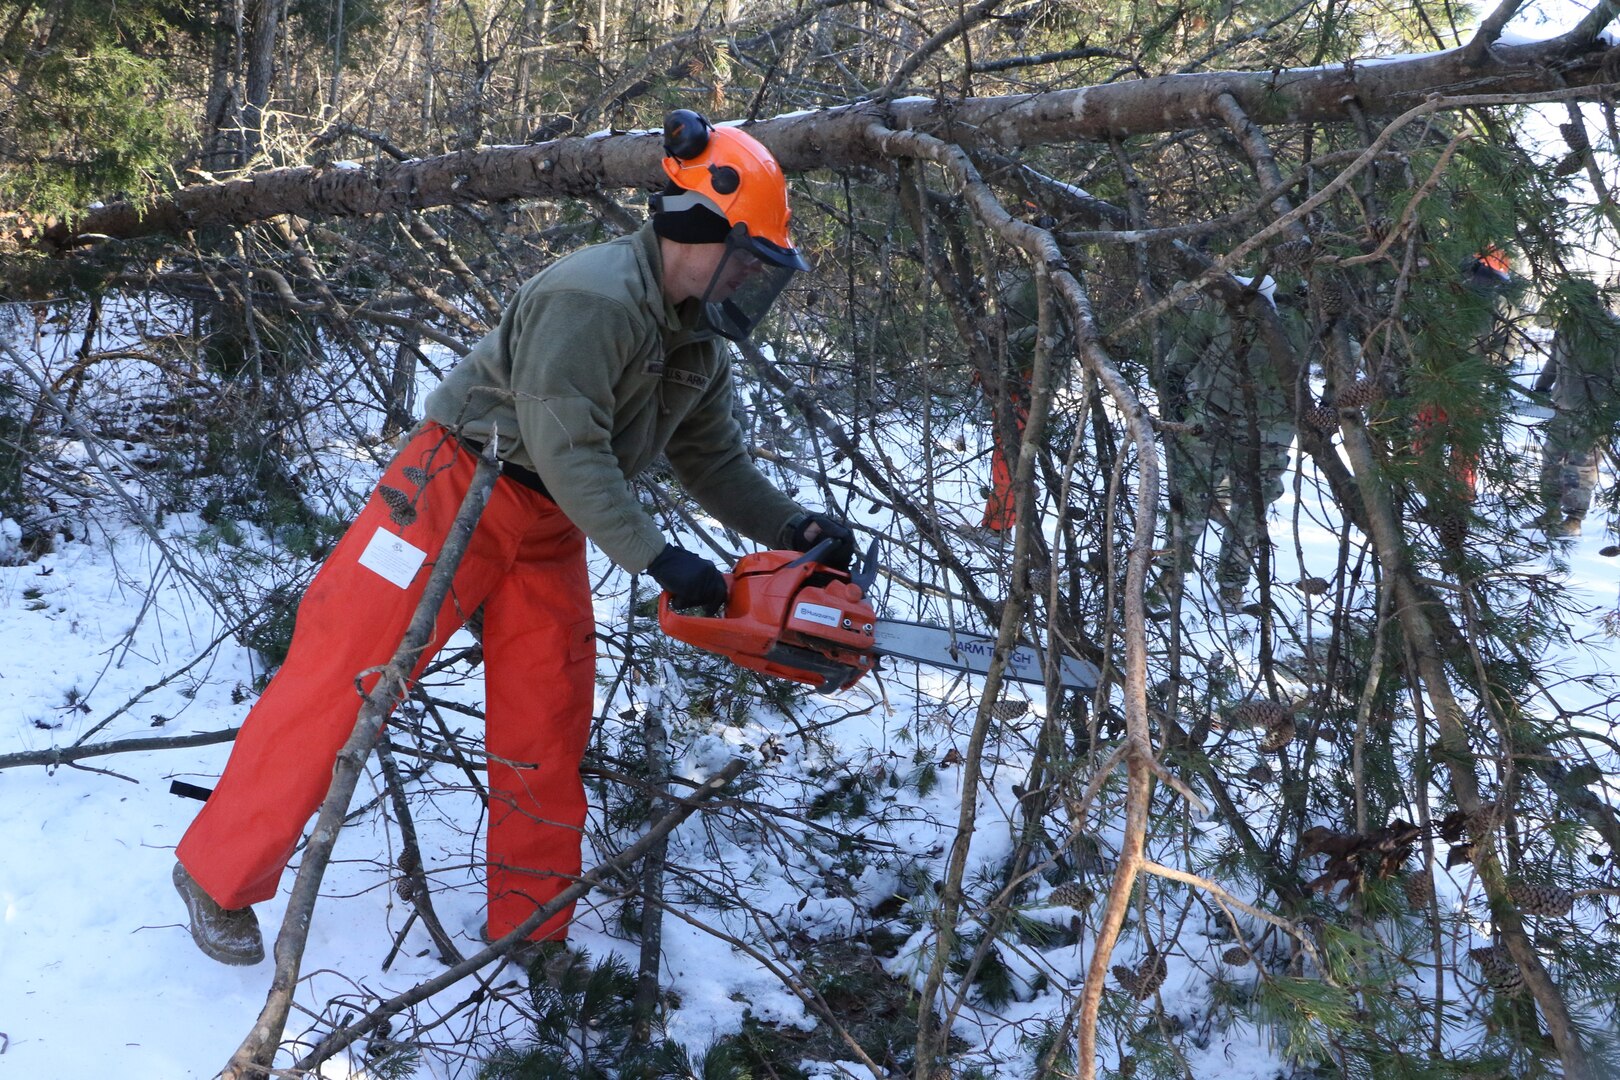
[728,171]
[1493,265]
[725,187]
[1496,259]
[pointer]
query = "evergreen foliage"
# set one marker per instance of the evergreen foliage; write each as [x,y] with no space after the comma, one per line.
[86,114]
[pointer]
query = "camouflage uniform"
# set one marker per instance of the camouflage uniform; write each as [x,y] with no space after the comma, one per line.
[1583,373]
[1220,375]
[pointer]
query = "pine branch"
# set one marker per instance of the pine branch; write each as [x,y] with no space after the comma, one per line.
[1490,30]
[608,870]
[414,883]
[961,25]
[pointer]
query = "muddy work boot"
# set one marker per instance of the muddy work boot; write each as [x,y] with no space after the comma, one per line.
[231,937]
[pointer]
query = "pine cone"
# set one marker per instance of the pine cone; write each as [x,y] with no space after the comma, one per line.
[1453,532]
[1291,253]
[1487,819]
[1419,889]
[1313,586]
[1149,975]
[399,503]
[1253,714]
[1575,137]
[1358,395]
[1278,736]
[1010,709]
[1237,956]
[1072,894]
[1570,164]
[1261,774]
[1498,968]
[1323,419]
[1126,979]
[1332,295]
[1547,900]
[415,476]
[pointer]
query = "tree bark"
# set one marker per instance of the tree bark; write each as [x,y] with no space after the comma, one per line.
[263,29]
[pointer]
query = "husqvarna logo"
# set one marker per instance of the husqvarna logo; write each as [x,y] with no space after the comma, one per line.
[816,613]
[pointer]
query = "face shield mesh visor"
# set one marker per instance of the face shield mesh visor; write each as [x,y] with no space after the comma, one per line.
[751,275]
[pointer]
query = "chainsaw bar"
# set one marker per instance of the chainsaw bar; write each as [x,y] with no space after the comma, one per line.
[973,653]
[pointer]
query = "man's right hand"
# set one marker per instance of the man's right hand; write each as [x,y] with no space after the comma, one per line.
[811,527]
[691,580]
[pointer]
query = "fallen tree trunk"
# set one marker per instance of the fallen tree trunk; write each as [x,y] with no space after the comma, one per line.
[833,138]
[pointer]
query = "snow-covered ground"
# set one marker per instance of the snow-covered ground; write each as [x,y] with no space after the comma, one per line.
[97,970]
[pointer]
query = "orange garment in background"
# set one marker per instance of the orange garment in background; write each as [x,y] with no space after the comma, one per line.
[1430,423]
[1001,508]
[526,566]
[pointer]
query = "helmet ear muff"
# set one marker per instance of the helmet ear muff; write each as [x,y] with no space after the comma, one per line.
[686,134]
[724,179]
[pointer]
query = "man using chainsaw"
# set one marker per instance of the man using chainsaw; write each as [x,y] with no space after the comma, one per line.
[1583,376]
[602,362]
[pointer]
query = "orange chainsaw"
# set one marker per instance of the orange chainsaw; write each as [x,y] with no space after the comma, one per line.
[789,615]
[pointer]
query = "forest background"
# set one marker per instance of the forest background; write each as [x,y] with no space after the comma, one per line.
[1359,821]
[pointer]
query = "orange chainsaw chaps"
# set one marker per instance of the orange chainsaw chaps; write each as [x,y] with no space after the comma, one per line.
[784,617]
[525,565]
[1430,423]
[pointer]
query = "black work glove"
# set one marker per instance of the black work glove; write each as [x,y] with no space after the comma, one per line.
[811,528]
[691,580]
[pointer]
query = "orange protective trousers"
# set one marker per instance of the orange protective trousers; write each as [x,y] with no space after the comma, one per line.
[526,567]
[1001,508]
[1431,422]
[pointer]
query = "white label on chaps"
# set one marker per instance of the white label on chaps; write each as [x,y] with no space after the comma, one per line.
[816,613]
[392,558]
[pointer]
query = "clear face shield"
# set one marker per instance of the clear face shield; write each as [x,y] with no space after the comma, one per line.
[751,275]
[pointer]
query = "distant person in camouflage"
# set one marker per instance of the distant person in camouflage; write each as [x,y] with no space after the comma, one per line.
[1583,375]
[1219,375]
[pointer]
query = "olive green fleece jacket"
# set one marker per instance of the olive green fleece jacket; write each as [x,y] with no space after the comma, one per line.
[592,374]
